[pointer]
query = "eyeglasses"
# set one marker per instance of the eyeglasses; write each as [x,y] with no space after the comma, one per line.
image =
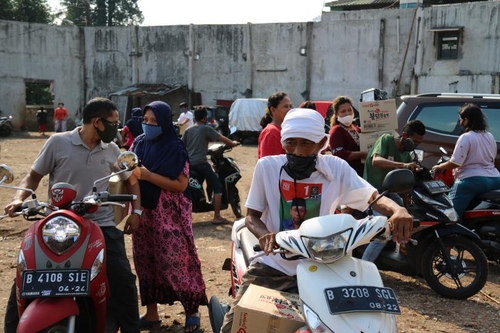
[110,123]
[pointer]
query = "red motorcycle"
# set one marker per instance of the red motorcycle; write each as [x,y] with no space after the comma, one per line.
[61,283]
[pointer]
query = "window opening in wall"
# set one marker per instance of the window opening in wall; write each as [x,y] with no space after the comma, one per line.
[448,44]
[38,92]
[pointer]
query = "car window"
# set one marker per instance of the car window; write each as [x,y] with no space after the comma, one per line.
[493,118]
[443,118]
[438,117]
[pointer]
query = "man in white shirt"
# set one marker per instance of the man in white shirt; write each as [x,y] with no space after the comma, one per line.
[323,181]
[185,118]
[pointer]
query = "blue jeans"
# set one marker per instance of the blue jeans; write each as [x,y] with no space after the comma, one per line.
[463,191]
[373,249]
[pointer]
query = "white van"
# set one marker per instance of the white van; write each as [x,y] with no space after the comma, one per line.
[245,114]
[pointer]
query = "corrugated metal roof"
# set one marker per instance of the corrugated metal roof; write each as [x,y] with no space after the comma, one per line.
[142,89]
[355,3]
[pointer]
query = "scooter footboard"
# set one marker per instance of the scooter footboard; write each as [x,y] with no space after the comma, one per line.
[43,312]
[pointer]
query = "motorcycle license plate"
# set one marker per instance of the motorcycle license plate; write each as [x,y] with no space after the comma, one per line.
[361,298]
[55,283]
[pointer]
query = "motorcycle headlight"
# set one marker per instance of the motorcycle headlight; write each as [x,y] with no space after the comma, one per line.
[97,265]
[327,249]
[60,234]
[312,319]
[451,213]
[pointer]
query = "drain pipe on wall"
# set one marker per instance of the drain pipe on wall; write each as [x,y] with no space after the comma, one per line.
[398,84]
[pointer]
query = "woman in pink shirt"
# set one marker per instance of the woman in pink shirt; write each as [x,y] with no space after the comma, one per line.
[278,104]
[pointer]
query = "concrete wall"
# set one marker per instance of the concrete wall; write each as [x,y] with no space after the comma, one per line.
[345,53]
[479,52]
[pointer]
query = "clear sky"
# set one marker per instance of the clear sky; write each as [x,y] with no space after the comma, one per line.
[179,12]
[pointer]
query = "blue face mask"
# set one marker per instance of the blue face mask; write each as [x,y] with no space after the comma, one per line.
[151,131]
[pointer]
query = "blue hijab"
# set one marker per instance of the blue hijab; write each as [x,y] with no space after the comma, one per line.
[166,155]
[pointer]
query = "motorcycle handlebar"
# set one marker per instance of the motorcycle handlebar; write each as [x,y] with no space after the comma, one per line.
[122,197]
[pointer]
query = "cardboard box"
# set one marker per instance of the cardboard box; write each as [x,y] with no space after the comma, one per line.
[376,116]
[117,186]
[367,140]
[262,310]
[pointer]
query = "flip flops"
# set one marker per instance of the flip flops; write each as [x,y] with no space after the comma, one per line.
[192,321]
[148,324]
[223,221]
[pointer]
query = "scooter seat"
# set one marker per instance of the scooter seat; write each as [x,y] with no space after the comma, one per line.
[491,196]
[247,241]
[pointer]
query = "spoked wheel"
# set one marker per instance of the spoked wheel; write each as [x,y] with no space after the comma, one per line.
[464,277]
[234,200]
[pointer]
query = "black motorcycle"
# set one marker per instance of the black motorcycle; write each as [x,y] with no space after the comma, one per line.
[444,252]
[481,216]
[228,173]
[5,126]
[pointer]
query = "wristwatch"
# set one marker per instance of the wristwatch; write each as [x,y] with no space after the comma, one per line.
[138,212]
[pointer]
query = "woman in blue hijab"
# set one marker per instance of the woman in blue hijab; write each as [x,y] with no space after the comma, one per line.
[165,256]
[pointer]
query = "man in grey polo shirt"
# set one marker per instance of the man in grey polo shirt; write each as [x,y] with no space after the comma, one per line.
[196,138]
[79,157]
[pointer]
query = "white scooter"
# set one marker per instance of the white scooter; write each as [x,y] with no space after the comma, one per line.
[338,292]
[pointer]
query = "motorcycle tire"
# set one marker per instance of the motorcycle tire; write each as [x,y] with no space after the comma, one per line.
[5,131]
[216,312]
[468,273]
[234,201]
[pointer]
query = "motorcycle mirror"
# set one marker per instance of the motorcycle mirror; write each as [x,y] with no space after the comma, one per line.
[418,154]
[6,174]
[127,160]
[443,151]
[398,181]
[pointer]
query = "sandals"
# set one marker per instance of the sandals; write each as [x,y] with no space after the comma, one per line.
[223,221]
[192,321]
[149,324]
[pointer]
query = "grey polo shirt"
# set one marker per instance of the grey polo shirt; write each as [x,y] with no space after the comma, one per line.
[196,138]
[65,158]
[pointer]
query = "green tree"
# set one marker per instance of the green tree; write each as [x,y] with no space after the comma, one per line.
[103,12]
[6,10]
[34,11]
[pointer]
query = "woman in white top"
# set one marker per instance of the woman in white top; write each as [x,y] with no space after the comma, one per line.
[473,159]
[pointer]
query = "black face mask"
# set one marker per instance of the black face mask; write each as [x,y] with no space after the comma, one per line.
[109,132]
[299,167]
[408,144]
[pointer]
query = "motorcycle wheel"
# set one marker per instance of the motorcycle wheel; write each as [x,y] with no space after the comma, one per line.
[467,274]
[216,312]
[4,131]
[234,201]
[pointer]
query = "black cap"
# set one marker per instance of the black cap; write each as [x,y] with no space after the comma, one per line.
[183,104]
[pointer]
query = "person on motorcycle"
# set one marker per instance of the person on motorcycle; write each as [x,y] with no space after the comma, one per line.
[389,153]
[78,157]
[473,159]
[196,138]
[324,181]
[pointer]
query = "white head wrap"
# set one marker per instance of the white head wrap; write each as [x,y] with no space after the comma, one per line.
[303,123]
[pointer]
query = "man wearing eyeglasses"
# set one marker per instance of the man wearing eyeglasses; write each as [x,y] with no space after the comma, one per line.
[79,157]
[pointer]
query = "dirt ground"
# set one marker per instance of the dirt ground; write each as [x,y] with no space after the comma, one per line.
[422,309]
